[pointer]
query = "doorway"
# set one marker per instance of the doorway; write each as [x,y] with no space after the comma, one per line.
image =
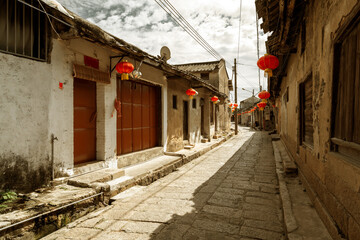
[186,120]
[202,117]
[84,121]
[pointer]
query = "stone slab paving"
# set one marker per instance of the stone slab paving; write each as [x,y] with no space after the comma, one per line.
[230,192]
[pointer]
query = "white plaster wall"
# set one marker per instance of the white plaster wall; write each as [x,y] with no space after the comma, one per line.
[61,113]
[24,136]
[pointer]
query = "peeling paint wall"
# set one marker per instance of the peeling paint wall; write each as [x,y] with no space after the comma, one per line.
[334,180]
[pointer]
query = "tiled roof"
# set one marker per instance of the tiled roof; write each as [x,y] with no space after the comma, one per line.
[199,67]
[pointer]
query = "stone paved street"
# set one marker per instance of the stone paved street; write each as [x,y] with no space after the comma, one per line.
[230,192]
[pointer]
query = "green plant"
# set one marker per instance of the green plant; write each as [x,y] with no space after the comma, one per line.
[7,196]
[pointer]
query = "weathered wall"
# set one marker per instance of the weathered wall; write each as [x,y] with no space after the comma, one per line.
[33,108]
[64,55]
[334,179]
[24,123]
[178,87]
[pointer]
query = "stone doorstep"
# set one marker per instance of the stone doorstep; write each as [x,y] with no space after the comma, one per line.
[102,175]
[204,140]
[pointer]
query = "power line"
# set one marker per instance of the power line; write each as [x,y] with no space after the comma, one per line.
[238,52]
[179,19]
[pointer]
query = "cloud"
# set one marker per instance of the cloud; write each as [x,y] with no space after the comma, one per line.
[145,24]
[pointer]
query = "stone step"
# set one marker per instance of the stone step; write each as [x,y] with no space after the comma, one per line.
[138,157]
[142,174]
[189,146]
[102,175]
[204,140]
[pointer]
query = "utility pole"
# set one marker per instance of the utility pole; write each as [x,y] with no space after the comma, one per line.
[236,116]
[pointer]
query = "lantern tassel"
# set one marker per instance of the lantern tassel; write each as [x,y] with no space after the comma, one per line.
[124,76]
[268,72]
[191,97]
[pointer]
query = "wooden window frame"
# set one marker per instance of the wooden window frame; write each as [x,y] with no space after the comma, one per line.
[340,144]
[302,116]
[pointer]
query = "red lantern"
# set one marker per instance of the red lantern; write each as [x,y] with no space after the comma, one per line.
[236,105]
[191,93]
[215,99]
[268,63]
[230,105]
[261,105]
[264,94]
[124,68]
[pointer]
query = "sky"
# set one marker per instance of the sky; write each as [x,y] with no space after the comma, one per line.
[146,25]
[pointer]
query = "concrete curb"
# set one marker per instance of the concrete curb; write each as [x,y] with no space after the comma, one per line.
[289,219]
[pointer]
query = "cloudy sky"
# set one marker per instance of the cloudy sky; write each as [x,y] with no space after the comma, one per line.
[146,25]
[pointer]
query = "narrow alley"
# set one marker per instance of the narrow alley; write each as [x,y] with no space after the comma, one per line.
[229,193]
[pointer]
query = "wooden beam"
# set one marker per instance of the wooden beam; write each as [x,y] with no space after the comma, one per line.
[281,17]
[290,11]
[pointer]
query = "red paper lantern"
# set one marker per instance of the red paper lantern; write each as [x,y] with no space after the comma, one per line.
[268,63]
[230,105]
[191,93]
[215,99]
[264,94]
[261,105]
[124,68]
[236,105]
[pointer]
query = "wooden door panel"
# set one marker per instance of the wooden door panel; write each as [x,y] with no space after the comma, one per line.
[136,111]
[137,139]
[84,121]
[139,112]
[145,121]
[126,116]
[146,138]
[84,145]
[126,137]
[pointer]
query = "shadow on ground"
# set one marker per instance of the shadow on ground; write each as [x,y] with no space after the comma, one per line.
[239,201]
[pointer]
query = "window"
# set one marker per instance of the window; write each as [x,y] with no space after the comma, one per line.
[194,103]
[346,91]
[23,30]
[204,76]
[174,102]
[306,112]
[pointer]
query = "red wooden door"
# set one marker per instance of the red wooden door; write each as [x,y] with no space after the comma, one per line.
[84,121]
[138,127]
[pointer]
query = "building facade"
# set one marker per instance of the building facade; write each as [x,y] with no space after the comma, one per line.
[315,90]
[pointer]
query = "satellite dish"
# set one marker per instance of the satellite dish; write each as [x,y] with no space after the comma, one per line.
[165,53]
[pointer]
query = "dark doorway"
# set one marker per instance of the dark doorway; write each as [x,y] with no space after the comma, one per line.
[202,116]
[84,121]
[186,120]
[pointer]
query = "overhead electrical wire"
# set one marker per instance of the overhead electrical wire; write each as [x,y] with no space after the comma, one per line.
[183,23]
[179,19]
